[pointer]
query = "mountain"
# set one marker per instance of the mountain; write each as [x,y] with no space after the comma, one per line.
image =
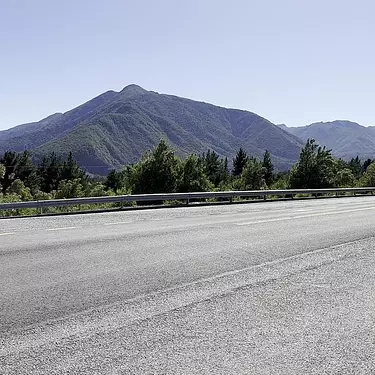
[346,139]
[116,128]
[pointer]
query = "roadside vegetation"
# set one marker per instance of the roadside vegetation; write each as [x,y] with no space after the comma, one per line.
[161,171]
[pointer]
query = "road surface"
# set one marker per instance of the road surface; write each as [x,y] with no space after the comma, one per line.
[267,288]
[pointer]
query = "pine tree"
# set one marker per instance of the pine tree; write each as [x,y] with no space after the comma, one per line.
[355,164]
[253,175]
[115,180]
[212,165]
[315,168]
[239,162]
[157,172]
[50,173]
[70,169]
[268,167]
[366,164]
[10,161]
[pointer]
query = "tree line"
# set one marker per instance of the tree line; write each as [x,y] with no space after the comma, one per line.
[161,171]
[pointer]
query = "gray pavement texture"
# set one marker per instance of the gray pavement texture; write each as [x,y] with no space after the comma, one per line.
[273,288]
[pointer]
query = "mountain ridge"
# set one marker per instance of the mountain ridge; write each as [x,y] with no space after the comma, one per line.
[346,139]
[116,128]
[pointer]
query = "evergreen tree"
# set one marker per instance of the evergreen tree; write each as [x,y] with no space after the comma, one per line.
[70,169]
[212,165]
[50,173]
[355,165]
[192,176]
[239,162]
[115,181]
[315,168]
[253,175]
[368,178]
[224,175]
[157,172]
[10,161]
[366,164]
[268,167]
[2,174]
[26,171]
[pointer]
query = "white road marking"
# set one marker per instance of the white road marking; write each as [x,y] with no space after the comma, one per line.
[305,216]
[266,220]
[118,223]
[7,234]
[63,228]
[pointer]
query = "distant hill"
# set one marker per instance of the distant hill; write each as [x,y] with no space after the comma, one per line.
[116,128]
[346,139]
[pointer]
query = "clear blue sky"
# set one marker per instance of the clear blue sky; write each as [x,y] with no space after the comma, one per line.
[291,61]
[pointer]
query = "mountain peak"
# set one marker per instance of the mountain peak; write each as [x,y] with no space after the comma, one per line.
[132,90]
[115,129]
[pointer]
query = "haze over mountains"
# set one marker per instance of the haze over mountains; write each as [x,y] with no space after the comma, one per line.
[116,128]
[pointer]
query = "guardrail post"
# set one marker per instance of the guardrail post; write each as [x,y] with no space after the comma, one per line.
[187,201]
[264,197]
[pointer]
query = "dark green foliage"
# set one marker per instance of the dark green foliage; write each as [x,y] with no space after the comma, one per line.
[18,166]
[10,162]
[115,181]
[50,172]
[368,178]
[315,168]
[224,171]
[215,168]
[344,178]
[253,175]
[157,172]
[268,168]
[355,165]
[192,176]
[366,164]
[53,170]
[161,171]
[239,162]
[70,169]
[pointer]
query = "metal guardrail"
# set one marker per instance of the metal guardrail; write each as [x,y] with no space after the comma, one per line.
[187,197]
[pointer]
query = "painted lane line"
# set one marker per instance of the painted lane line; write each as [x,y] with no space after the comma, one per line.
[304,216]
[63,228]
[8,234]
[118,223]
[266,221]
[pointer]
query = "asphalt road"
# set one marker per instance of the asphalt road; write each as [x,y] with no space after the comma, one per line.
[269,288]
